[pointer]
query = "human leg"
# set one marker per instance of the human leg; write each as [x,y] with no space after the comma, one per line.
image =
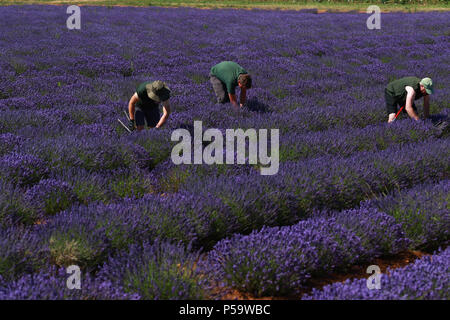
[219,89]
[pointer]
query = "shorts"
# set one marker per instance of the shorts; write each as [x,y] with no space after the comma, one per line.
[151,116]
[219,89]
[392,103]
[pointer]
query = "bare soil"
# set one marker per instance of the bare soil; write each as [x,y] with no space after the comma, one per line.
[357,271]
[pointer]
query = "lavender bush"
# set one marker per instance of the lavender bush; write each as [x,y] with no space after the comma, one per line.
[422,211]
[50,196]
[22,169]
[13,208]
[21,252]
[334,183]
[277,261]
[51,284]
[156,271]
[10,142]
[345,142]
[380,234]
[427,278]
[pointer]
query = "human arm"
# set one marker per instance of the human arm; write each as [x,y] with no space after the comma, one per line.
[426,106]
[166,114]
[131,109]
[243,96]
[131,105]
[409,103]
[233,99]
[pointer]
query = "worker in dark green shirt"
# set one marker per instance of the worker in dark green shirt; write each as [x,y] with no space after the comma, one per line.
[225,77]
[403,92]
[144,105]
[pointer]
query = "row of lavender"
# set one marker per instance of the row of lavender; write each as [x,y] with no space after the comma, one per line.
[52,174]
[209,211]
[274,261]
[425,279]
[324,61]
[280,260]
[76,146]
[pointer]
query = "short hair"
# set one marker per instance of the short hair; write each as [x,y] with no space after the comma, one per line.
[246,80]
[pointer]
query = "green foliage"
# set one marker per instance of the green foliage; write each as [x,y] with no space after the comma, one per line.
[280,93]
[19,67]
[165,276]
[74,249]
[13,207]
[90,191]
[172,181]
[88,73]
[198,78]
[56,203]
[130,186]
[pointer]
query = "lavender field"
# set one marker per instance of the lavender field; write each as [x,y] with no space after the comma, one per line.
[77,189]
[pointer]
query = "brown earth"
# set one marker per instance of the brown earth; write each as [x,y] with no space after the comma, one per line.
[336,9]
[356,271]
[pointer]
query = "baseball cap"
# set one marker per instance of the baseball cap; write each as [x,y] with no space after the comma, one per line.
[428,84]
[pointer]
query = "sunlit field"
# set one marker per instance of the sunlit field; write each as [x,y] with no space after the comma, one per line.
[77,189]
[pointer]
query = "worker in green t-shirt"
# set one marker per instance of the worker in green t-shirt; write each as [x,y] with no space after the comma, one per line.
[225,77]
[144,105]
[402,92]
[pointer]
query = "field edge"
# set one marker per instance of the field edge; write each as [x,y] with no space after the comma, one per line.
[317,7]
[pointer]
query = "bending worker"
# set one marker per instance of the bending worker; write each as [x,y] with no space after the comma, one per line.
[225,77]
[144,105]
[403,92]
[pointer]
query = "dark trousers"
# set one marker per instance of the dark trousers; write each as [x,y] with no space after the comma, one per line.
[151,115]
[392,104]
[219,89]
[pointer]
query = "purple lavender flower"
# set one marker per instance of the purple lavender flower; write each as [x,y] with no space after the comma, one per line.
[22,169]
[156,271]
[277,261]
[50,196]
[13,208]
[21,251]
[427,278]
[380,233]
[51,284]
[422,211]
[10,142]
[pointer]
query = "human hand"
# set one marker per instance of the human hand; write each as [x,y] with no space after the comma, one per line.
[132,124]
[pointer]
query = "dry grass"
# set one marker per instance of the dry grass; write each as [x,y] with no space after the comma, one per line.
[248,4]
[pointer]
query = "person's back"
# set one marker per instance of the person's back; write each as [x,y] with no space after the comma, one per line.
[228,72]
[398,91]
[144,99]
[402,92]
[225,77]
[144,105]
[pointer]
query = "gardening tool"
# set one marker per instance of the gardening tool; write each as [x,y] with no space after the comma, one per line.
[126,115]
[123,125]
[398,113]
[442,126]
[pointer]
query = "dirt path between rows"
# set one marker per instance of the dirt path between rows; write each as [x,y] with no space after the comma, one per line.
[358,271]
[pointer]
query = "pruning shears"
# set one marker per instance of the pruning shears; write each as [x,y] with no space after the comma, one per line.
[123,124]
